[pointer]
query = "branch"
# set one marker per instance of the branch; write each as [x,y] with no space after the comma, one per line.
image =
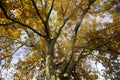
[7,24]
[98,47]
[60,29]
[12,53]
[85,11]
[50,11]
[74,74]
[33,44]
[16,21]
[82,16]
[5,47]
[82,56]
[64,11]
[45,24]
[70,67]
[40,50]
[99,11]
[38,11]
[27,44]
[17,49]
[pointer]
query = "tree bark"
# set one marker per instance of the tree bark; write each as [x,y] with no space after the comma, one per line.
[50,65]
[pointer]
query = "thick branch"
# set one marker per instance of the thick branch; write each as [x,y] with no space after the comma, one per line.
[37,11]
[71,63]
[45,24]
[7,24]
[48,16]
[16,21]
[82,16]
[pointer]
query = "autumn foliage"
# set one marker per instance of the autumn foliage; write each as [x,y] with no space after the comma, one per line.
[60,39]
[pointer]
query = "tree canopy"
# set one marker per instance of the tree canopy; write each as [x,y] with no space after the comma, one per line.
[60,39]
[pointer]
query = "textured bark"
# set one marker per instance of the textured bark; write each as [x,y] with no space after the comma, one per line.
[50,65]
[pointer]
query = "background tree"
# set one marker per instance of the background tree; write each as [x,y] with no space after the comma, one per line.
[60,37]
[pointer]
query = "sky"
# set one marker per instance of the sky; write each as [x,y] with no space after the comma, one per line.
[21,52]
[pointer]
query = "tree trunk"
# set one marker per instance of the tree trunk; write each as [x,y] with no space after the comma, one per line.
[50,69]
[50,65]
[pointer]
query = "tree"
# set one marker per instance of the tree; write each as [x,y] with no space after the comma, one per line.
[59,37]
